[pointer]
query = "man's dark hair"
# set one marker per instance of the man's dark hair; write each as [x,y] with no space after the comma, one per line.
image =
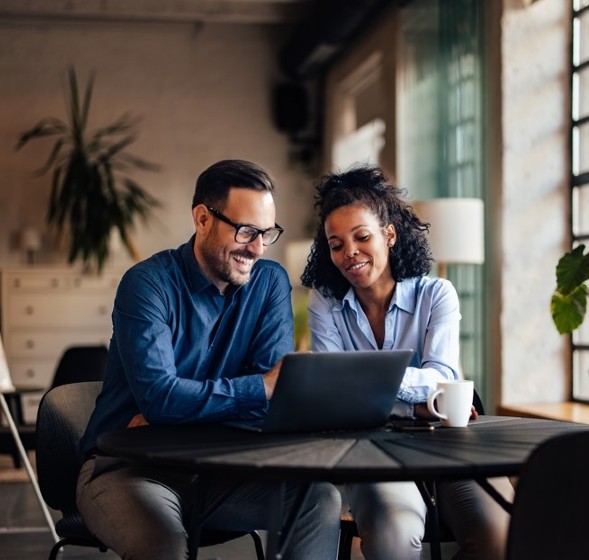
[366,186]
[213,184]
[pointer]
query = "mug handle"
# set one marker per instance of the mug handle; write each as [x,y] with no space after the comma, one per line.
[430,404]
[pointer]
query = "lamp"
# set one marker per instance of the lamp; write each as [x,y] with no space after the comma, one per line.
[30,242]
[456,230]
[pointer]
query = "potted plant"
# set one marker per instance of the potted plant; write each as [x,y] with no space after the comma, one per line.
[569,301]
[91,194]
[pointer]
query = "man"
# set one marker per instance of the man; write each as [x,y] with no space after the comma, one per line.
[198,335]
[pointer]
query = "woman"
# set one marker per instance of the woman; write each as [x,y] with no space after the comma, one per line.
[367,268]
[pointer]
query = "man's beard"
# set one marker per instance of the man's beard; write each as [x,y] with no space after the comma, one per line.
[223,268]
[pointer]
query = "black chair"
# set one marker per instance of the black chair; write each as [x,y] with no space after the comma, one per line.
[63,415]
[349,529]
[77,363]
[549,516]
[81,363]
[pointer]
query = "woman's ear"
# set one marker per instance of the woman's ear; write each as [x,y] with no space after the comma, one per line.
[391,234]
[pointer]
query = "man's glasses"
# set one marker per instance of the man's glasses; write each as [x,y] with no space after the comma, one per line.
[247,234]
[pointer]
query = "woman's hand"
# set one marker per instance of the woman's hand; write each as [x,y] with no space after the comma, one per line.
[421,411]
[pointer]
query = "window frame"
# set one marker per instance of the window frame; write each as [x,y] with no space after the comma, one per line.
[579,181]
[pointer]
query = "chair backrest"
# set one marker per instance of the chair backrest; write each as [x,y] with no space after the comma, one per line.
[477,402]
[81,363]
[61,421]
[549,518]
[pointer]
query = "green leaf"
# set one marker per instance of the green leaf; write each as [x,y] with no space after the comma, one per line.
[568,310]
[572,270]
[86,102]
[46,127]
[53,155]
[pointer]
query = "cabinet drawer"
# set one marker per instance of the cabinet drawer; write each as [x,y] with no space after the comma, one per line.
[30,406]
[32,373]
[33,282]
[87,283]
[73,310]
[50,344]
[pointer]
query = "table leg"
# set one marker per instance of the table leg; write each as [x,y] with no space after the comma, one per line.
[273,551]
[201,512]
[490,489]
[280,533]
[430,497]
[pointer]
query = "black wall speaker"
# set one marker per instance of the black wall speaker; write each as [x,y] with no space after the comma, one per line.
[290,107]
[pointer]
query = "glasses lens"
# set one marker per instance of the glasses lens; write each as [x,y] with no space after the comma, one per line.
[270,236]
[245,234]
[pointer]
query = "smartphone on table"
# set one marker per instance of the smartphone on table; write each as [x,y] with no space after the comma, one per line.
[411,425]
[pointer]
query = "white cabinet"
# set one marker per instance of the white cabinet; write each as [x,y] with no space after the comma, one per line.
[45,310]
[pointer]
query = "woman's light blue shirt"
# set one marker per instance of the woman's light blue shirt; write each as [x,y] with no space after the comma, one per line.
[424,315]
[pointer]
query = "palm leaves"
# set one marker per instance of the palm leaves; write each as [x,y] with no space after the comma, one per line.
[569,301]
[91,193]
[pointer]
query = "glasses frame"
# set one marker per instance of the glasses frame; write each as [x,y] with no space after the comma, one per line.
[255,231]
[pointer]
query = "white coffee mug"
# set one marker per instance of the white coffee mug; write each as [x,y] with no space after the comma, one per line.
[454,402]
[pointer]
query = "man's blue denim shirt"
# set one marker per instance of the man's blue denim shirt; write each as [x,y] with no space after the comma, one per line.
[182,352]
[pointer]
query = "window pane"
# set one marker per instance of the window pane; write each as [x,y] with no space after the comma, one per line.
[584,37]
[582,92]
[581,150]
[581,375]
[581,210]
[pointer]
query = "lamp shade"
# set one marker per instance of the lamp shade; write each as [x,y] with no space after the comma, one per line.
[456,230]
[30,239]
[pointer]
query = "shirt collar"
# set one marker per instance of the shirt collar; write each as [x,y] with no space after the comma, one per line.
[403,298]
[194,276]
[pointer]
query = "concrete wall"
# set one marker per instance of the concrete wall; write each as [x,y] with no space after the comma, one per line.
[204,94]
[535,117]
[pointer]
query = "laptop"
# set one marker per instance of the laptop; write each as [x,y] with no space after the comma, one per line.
[321,391]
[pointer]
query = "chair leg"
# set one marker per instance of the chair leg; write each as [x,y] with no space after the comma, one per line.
[346,538]
[258,545]
[56,548]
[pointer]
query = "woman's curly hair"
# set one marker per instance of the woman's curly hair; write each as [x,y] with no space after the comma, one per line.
[366,186]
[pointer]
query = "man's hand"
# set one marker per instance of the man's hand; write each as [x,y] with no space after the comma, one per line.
[270,379]
[137,420]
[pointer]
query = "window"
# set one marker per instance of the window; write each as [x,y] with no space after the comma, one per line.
[580,176]
[440,144]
